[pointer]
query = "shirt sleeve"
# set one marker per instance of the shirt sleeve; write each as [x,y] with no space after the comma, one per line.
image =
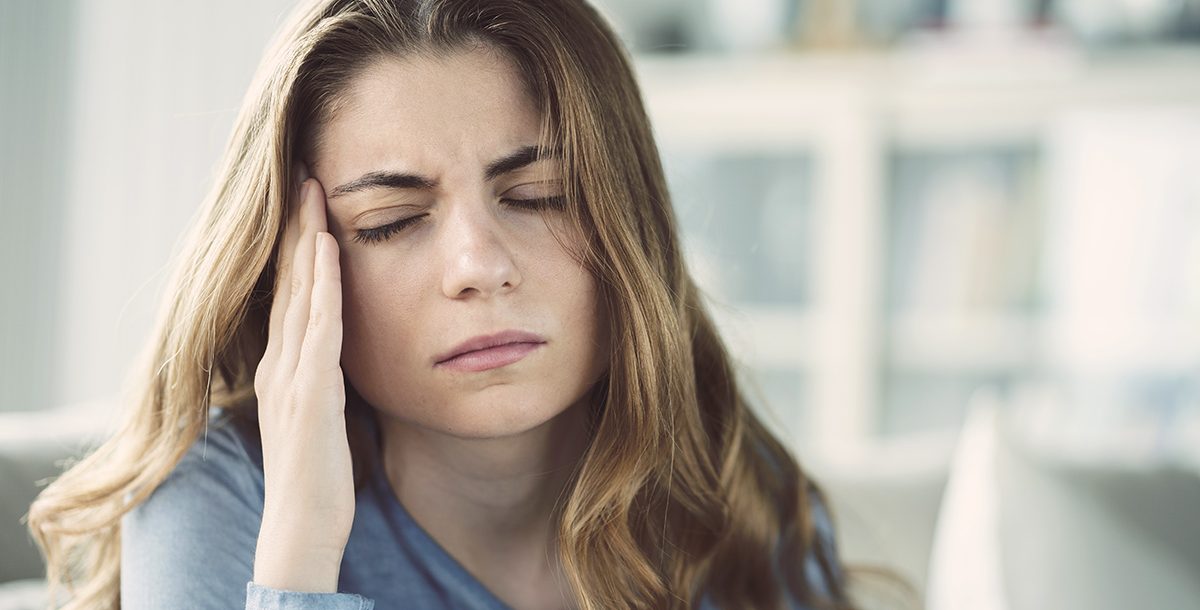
[259,597]
[191,543]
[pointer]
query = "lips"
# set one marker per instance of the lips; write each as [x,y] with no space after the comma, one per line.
[505,338]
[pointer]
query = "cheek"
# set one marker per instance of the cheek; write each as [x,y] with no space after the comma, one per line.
[583,315]
[379,305]
[566,282]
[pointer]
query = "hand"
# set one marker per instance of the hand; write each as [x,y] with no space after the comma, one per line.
[309,496]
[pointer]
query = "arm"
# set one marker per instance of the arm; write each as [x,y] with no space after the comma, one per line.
[213,534]
[307,465]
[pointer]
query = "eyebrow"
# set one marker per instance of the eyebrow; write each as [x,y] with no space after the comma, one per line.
[511,162]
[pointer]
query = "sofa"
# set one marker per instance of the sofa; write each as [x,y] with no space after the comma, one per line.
[33,448]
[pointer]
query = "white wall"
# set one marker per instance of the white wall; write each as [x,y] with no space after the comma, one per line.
[156,91]
[35,81]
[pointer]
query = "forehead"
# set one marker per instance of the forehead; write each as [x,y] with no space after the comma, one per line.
[421,109]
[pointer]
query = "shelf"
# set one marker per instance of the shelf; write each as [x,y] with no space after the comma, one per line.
[782,337]
[972,343]
[1101,345]
[962,342]
[920,98]
[850,123]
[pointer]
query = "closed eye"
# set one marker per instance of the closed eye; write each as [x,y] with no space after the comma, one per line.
[537,203]
[378,234]
[383,233]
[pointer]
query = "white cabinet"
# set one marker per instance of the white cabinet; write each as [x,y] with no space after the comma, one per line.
[876,230]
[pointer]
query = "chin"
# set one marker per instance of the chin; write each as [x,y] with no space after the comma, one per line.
[498,412]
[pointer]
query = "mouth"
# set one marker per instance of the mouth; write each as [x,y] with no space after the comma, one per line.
[487,352]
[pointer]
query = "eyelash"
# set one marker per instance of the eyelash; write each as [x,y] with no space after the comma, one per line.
[383,233]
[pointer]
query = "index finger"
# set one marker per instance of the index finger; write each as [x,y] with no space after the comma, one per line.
[285,258]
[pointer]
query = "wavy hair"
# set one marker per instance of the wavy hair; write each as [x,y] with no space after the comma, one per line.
[682,491]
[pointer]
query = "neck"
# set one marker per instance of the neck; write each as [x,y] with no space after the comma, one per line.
[487,501]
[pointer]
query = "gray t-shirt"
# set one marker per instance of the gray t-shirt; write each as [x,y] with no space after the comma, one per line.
[191,543]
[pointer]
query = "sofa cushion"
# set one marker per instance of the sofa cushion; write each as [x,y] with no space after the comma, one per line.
[33,448]
[29,594]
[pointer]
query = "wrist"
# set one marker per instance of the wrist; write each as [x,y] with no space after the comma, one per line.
[296,562]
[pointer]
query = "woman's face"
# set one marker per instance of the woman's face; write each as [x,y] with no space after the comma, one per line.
[445,146]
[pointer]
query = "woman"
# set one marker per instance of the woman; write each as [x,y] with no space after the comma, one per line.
[432,344]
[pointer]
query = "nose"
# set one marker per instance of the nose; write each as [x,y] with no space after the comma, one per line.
[478,261]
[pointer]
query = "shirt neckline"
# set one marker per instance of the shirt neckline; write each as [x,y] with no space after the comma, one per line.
[428,546]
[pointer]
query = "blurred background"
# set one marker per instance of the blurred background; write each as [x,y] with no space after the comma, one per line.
[954,243]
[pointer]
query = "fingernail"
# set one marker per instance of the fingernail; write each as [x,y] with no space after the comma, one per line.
[321,243]
[304,186]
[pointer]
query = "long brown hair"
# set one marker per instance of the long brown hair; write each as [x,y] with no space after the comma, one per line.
[682,492]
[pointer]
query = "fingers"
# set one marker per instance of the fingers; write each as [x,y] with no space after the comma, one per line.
[323,339]
[300,283]
[283,262]
[283,278]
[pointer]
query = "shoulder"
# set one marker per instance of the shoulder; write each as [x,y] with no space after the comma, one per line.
[222,464]
[194,535]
